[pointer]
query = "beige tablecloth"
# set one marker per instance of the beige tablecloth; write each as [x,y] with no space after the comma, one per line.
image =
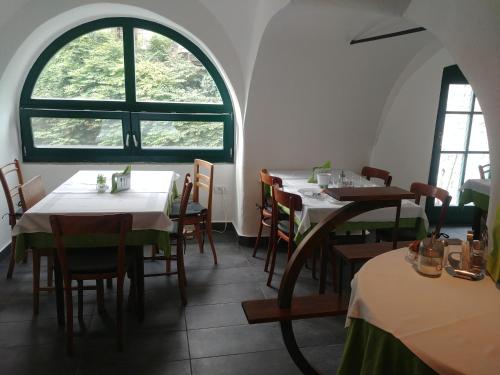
[453,325]
[146,200]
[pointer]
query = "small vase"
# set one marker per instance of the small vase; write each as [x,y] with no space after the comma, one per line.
[101,188]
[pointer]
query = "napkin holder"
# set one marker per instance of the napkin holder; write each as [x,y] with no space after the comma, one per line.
[121,181]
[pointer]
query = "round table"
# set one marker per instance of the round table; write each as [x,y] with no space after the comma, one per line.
[450,324]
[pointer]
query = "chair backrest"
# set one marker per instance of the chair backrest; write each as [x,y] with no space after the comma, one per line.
[186,192]
[204,181]
[63,225]
[370,172]
[420,189]
[266,184]
[292,202]
[484,171]
[10,186]
[31,192]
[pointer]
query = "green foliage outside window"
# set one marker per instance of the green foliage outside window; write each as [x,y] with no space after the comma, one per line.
[91,69]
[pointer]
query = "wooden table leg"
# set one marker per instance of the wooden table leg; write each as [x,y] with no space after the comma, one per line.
[323,264]
[58,282]
[396,226]
[139,263]
[476,223]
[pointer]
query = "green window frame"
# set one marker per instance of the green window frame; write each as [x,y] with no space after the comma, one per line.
[130,111]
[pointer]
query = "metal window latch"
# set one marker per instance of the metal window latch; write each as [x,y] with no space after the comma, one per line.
[136,144]
[127,139]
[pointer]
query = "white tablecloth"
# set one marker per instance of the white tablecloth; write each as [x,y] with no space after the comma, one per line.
[314,210]
[481,186]
[451,324]
[146,200]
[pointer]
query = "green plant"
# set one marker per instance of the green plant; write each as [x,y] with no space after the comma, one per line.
[101,179]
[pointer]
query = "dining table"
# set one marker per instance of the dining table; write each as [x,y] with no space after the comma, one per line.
[401,322]
[148,200]
[477,192]
[317,205]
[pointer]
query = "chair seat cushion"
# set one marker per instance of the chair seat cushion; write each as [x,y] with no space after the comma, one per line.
[95,260]
[193,208]
[283,225]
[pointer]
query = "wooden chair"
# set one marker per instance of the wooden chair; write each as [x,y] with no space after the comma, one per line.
[266,210]
[422,190]
[30,193]
[370,172]
[92,263]
[283,229]
[484,171]
[198,215]
[177,233]
[360,253]
[11,178]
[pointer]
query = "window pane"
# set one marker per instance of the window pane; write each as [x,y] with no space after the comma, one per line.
[89,68]
[455,132]
[182,135]
[167,72]
[77,132]
[473,163]
[459,98]
[478,136]
[449,173]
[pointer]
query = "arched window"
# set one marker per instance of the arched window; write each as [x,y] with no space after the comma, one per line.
[125,90]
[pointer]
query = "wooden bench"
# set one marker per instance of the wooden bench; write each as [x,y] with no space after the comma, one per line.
[315,306]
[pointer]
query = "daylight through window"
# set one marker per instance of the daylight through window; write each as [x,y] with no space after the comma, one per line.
[124,89]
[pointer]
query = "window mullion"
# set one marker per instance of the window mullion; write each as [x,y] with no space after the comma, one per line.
[129,64]
[130,96]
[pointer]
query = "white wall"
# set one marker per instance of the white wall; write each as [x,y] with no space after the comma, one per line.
[470,31]
[296,83]
[406,134]
[313,97]
[28,26]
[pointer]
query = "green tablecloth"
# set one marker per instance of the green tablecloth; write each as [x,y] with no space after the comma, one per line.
[471,196]
[372,351]
[493,262]
[416,224]
[135,238]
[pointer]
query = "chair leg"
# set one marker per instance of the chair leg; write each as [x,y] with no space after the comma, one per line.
[273,262]
[197,235]
[259,234]
[80,301]
[154,252]
[100,295]
[36,281]
[313,268]
[50,270]
[119,313]
[211,239]
[12,261]
[168,265]
[269,249]
[69,318]
[181,272]
[334,272]
[109,283]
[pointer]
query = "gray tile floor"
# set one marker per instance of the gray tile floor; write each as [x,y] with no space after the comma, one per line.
[209,336]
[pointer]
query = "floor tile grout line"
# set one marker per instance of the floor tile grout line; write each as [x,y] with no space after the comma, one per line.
[265,350]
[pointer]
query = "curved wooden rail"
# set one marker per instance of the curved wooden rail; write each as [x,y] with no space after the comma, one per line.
[318,237]
[289,308]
